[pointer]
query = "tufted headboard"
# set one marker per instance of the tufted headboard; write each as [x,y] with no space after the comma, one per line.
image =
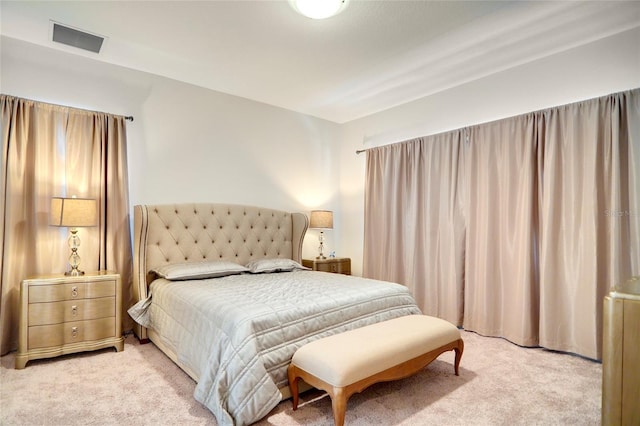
[195,232]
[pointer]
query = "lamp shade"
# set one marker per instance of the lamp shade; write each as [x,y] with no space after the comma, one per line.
[73,212]
[321,219]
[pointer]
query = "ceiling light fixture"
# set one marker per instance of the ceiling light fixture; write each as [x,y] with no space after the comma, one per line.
[318,9]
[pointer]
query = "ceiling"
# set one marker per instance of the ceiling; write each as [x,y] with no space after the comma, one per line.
[373,56]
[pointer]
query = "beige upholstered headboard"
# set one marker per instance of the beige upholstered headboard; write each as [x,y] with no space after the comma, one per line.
[195,232]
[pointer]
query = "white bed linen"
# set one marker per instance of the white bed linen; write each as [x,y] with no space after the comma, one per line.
[238,333]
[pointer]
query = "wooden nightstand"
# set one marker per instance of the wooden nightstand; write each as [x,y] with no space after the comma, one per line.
[62,314]
[338,265]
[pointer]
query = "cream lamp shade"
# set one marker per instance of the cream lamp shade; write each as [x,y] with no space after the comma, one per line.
[321,219]
[73,213]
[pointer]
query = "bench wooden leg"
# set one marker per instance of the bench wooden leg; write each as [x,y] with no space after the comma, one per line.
[458,352]
[293,385]
[339,396]
[338,405]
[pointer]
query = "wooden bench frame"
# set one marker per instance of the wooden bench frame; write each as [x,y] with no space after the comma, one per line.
[340,395]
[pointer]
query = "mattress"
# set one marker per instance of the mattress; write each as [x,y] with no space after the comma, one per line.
[238,333]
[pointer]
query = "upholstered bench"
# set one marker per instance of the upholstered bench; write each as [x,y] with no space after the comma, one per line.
[346,363]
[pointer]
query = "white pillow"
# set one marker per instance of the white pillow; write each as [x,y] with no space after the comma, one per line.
[273,265]
[197,270]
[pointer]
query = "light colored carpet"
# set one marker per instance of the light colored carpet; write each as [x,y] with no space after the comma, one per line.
[499,384]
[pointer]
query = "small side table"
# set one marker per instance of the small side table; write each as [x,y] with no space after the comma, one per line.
[65,314]
[338,265]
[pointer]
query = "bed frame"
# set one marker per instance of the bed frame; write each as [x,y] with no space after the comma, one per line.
[174,233]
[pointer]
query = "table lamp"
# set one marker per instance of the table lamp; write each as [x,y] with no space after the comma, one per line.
[321,219]
[73,213]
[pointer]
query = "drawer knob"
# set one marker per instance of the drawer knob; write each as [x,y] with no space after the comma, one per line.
[74,291]
[74,332]
[74,310]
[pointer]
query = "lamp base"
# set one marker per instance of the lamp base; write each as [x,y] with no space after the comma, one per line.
[321,247]
[74,259]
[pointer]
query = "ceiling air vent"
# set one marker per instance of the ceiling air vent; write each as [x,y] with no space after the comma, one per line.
[76,38]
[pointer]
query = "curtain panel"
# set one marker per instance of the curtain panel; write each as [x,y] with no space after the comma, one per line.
[520,230]
[501,292]
[414,220]
[50,150]
[590,216]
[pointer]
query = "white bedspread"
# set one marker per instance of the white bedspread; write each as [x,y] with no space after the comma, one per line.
[238,333]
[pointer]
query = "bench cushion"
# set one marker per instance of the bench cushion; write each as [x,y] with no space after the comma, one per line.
[346,358]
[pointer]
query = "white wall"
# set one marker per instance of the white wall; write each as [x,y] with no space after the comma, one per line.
[193,144]
[600,68]
[186,143]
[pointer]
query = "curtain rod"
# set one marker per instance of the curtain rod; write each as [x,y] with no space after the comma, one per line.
[127,117]
[360,151]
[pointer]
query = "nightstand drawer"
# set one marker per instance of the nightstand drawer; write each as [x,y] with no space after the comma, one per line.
[44,336]
[337,265]
[79,290]
[71,310]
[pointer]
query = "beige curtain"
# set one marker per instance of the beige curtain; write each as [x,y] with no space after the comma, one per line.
[414,224]
[47,151]
[590,216]
[546,220]
[501,291]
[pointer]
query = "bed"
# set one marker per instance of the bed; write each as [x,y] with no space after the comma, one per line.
[221,292]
